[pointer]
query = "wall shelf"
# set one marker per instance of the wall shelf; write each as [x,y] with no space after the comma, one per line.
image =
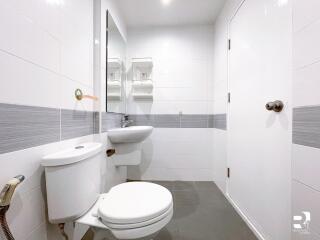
[142,62]
[114,82]
[142,84]
[114,97]
[114,63]
[142,96]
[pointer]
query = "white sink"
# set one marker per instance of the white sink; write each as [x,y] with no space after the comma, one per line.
[134,134]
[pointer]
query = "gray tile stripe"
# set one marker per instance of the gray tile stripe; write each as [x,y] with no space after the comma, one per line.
[306,126]
[217,121]
[96,129]
[110,120]
[76,124]
[23,127]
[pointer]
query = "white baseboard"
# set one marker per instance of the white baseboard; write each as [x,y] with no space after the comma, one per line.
[258,234]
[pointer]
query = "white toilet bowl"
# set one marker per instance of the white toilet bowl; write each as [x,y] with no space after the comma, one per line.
[135,210]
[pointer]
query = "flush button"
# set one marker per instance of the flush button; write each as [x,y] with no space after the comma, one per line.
[79,147]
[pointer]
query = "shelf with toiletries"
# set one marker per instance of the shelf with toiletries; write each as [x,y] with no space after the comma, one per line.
[114,83]
[114,69]
[114,96]
[142,84]
[142,96]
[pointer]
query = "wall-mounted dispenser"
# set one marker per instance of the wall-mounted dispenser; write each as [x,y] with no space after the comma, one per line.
[142,84]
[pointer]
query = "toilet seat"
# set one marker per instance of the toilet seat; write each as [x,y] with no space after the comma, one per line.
[137,223]
[134,204]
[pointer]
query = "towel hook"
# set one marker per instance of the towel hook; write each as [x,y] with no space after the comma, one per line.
[79,95]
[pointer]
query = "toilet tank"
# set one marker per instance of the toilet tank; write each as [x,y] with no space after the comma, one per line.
[72,181]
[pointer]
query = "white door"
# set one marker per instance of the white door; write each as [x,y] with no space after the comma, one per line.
[259,141]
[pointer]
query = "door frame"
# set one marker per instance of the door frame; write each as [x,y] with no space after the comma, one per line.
[228,85]
[257,233]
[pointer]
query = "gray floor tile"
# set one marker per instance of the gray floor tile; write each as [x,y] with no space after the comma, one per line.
[186,198]
[170,232]
[183,186]
[206,186]
[166,184]
[201,212]
[200,224]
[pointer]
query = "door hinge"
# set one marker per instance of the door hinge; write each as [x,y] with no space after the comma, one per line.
[229,97]
[229,44]
[228,172]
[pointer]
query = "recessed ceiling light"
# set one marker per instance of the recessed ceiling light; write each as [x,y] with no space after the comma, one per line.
[166,2]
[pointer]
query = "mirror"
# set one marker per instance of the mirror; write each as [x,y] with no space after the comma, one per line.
[116,71]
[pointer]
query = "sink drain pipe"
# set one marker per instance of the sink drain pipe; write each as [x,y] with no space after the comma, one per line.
[5,200]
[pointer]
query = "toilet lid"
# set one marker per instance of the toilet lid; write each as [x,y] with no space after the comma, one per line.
[134,202]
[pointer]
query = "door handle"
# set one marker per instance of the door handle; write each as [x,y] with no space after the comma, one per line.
[275,106]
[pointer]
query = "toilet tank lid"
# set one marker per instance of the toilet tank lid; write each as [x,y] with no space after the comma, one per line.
[72,155]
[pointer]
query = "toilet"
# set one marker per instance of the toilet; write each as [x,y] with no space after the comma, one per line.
[132,210]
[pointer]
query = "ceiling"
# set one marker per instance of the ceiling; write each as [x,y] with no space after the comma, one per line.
[141,13]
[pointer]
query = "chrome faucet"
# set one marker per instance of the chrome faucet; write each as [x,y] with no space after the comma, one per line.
[125,121]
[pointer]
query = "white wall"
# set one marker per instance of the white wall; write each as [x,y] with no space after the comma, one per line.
[46,52]
[183,82]
[172,154]
[38,38]
[182,72]
[306,56]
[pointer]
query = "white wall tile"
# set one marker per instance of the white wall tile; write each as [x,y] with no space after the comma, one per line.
[77,50]
[305,84]
[176,154]
[39,233]
[306,199]
[182,71]
[305,160]
[220,105]
[304,42]
[306,165]
[24,207]
[45,14]
[20,79]
[305,13]
[183,82]
[46,52]
[220,158]
[25,39]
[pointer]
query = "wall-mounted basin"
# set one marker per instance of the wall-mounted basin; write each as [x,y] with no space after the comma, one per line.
[135,134]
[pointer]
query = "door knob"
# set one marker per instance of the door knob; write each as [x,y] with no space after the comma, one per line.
[275,106]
